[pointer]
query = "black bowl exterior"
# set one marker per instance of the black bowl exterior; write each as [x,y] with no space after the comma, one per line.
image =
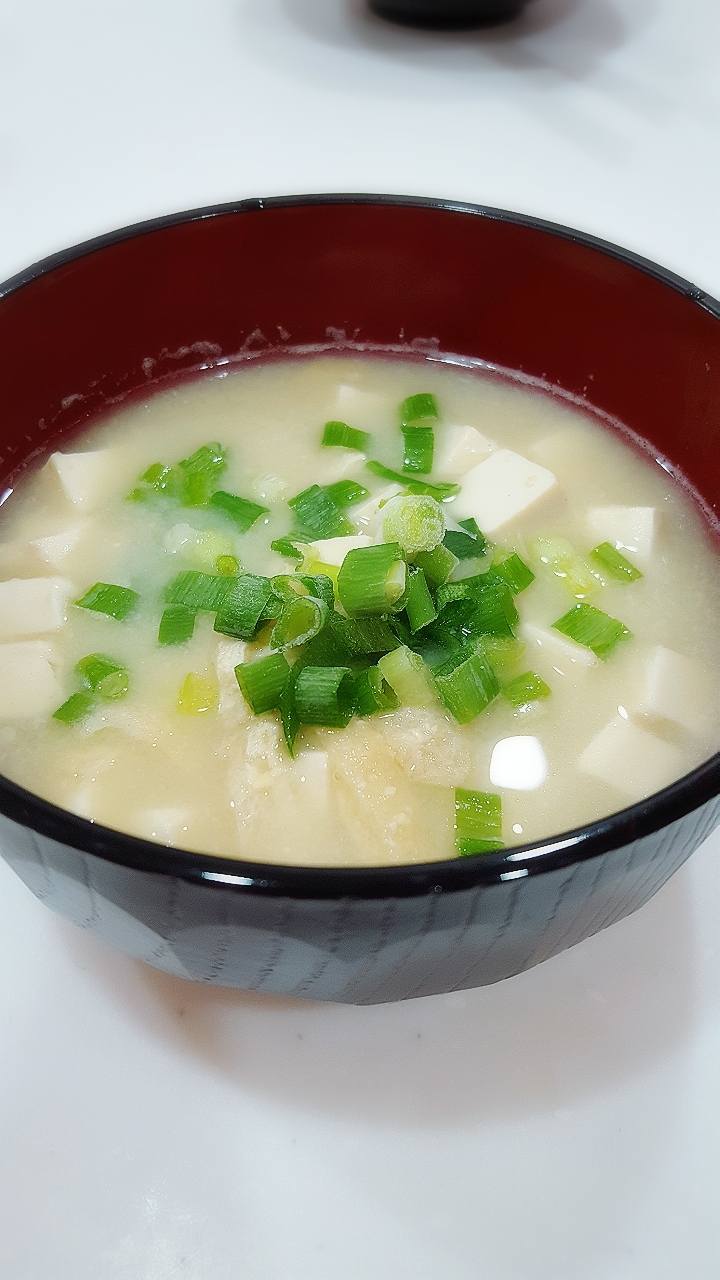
[354,950]
[121,315]
[448,14]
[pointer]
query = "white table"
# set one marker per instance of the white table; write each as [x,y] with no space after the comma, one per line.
[561,1126]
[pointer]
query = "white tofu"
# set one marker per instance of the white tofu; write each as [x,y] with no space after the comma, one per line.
[553,652]
[457,449]
[53,549]
[360,408]
[167,826]
[631,759]
[312,775]
[501,490]
[627,528]
[673,687]
[518,764]
[86,479]
[31,606]
[228,655]
[365,515]
[334,550]
[28,684]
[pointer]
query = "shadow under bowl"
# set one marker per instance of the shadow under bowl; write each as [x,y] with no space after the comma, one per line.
[126,313]
[449,15]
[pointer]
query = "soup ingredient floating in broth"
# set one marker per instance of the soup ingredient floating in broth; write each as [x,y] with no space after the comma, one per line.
[424,647]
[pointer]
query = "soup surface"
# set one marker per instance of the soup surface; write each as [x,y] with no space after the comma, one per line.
[511,728]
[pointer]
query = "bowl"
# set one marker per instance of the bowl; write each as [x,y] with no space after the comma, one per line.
[114,317]
[448,14]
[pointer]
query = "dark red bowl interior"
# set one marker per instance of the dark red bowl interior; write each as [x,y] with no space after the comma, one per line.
[101,322]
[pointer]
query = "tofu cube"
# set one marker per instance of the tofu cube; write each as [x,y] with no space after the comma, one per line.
[86,479]
[365,515]
[673,687]
[334,550]
[635,762]
[359,408]
[501,490]
[53,549]
[312,774]
[552,653]
[31,606]
[457,449]
[28,684]
[627,528]
[518,764]
[228,655]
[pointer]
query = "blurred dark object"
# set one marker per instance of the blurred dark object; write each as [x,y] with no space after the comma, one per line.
[448,14]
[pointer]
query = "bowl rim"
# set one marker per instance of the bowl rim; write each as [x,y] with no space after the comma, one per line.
[577,845]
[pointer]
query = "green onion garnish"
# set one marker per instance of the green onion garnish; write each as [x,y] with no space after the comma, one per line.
[196,695]
[515,572]
[95,667]
[114,602]
[493,606]
[158,479]
[300,619]
[371,579]
[242,607]
[288,710]
[416,521]
[419,446]
[339,433]
[419,408]
[502,652]
[285,547]
[228,566]
[419,604]
[320,586]
[463,545]
[478,822]
[611,561]
[364,635]
[525,689]
[209,459]
[114,686]
[241,511]
[344,493]
[563,561]
[437,565]
[471,526]
[329,648]
[263,681]
[466,683]
[201,592]
[325,695]
[176,624]
[440,492]
[408,676]
[319,515]
[593,629]
[373,693]
[76,708]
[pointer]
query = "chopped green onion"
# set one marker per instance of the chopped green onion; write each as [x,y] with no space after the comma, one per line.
[365,635]
[285,547]
[419,605]
[197,489]
[289,585]
[176,625]
[320,586]
[418,408]
[502,652]
[439,491]
[263,681]
[228,566]
[592,628]
[299,620]
[196,695]
[564,562]
[373,693]
[325,695]
[526,688]
[105,597]
[317,513]
[158,479]
[515,573]
[437,565]
[330,647]
[466,683]
[243,606]
[95,667]
[371,579]
[114,685]
[415,521]
[408,676]
[419,447]
[478,822]
[241,511]
[209,459]
[493,606]
[288,710]
[76,708]
[344,493]
[339,433]
[202,592]
[463,545]
[612,562]
[471,526]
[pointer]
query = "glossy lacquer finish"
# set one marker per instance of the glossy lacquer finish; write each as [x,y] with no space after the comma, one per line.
[113,318]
